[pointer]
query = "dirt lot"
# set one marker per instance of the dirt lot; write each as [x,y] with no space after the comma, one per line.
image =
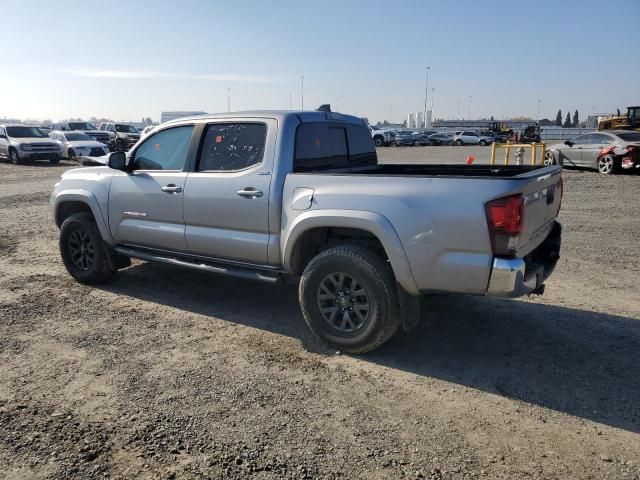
[166,373]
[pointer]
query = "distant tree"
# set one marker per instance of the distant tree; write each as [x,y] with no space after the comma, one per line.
[576,119]
[567,122]
[545,122]
[385,123]
[559,119]
[491,118]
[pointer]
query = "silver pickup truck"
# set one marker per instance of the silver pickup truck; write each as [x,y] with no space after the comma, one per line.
[270,195]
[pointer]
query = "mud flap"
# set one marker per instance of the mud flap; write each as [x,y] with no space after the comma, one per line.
[409,309]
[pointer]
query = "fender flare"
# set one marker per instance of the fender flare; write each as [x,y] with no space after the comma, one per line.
[371,222]
[89,199]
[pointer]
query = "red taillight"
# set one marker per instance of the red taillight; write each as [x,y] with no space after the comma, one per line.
[505,218]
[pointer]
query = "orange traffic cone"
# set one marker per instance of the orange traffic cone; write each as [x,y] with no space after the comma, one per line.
[470,159]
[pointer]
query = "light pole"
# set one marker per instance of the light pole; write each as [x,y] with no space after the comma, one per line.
[469,107]
[538,113]
[432,97]
[302,92]
[228,99]
[426,92]
[458,118]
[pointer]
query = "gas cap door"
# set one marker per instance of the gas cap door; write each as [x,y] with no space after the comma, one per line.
[302,198]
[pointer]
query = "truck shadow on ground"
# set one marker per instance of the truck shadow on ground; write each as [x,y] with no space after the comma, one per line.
[582,363]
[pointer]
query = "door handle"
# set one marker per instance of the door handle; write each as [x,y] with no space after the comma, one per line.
[171,188]
[250,192]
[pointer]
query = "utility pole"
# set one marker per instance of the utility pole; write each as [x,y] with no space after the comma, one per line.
[228,99]
[432,97]
[426,93]
[302,92]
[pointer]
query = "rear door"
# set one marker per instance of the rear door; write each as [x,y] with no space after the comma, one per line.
[145,205]
[4,142]
[591,150]
[226,201]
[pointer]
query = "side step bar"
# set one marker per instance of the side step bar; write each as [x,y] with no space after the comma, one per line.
[195,264]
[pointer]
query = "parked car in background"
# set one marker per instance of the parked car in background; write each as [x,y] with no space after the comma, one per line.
[606,152]
[103,137]
[441,139]
[301,194]
[146,130]
[407,137]
[25,143]
[126,135]
[467,137]
[78,144]
[382,137]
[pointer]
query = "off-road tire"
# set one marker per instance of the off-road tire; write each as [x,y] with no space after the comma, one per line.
[83,224]
[374,275]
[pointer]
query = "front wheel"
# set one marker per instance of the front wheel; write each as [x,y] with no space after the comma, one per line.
[379,141]
[349,299]
[14,157]
[54,160]
[71,155]
[549,159]
[82,250]
[606,164]
[483,143]
[459,142]
[416,143]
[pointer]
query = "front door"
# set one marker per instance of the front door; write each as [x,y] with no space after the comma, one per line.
[226,200]
[146,204]
[572,155]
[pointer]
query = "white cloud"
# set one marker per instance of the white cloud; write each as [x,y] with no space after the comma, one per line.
[134,74]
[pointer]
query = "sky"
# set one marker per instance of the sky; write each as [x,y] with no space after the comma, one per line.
[126,60]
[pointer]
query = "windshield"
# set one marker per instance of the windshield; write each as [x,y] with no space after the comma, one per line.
[26,132]
[81,126]
[630,137]
[126,129]
[76,137]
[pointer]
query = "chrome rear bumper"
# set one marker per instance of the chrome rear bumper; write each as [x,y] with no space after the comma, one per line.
[515,277]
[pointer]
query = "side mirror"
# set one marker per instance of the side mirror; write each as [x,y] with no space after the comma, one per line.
[569,143]
[118,161]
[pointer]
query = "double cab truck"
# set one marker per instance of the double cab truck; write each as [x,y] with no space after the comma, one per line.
[271,195]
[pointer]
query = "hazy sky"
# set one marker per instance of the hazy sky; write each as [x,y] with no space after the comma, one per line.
[126,60]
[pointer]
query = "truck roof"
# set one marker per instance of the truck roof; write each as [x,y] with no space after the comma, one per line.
[303,115]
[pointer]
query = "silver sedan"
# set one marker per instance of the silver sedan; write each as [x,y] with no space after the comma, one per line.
[78,144]
[606,152]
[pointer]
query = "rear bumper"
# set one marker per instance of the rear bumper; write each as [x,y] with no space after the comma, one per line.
[515,277]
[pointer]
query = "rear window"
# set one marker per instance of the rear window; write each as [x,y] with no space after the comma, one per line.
[630,137]
[325,145]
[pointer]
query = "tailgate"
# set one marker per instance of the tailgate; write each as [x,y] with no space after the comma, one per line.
[542,195]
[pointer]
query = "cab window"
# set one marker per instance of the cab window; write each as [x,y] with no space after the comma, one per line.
[165,150]
[232,146]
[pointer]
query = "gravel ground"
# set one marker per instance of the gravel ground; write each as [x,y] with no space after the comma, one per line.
[167,373]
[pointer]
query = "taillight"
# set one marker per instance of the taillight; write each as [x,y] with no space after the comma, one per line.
[505,218]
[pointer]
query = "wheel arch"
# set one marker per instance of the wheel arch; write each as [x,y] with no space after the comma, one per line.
[320,229]
[70,202]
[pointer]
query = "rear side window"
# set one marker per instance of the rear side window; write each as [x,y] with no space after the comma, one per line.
[232,146]
[323,145]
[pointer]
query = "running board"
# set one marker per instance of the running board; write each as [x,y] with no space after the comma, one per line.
[229,271]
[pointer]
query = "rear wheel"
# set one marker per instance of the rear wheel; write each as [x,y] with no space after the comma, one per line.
[349,298]
[82,249]
[606,164]
[483,143]
[459,142]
